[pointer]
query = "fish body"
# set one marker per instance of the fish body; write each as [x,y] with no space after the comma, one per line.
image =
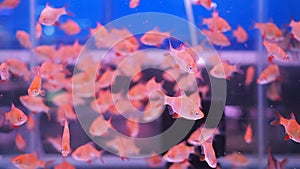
[240,34]
[217,23]
[269,31]
[70,27]
[64,165]
[20,142]
[27,161]
[224,70]
[274,51]
[178,153]
[24,39]
[36,85]
[273,163]
[49,15]
[18,68]
[86,153]
[16,116]
[216,38]
[248,134]
[65,142]
[154,37]
[4,71]
[269,74]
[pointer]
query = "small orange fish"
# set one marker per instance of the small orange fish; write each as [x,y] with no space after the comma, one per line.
[274,51]
[209,153]
[35,104]
[70,27]
[152,111]
[248,134]
[134,3]
[49,15]
[269,31]
[295,29]
[237,159]
[240,34]
[273,163]
[202,134]
[137,92]
[20,142]
[217,23]
[154,161]
[152,85]
[18,68]
[38,30]
[30,125]
[178,153]
[224,70]
[274,92]
[100,127]
[65,112]
[48,69]
[250,72]
[36,84]
[216,38]
[16,116]
[46,52]
[106,79]
[28,161]
[269,74]
[10,4]
[55,142]
[64,165]
[4,71]
[87,153]
[291,126]
[65,142]
[67,53]
[154,37]
[24,39]
[133,127]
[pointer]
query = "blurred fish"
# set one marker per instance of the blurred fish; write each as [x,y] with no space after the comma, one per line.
[125,147]
[181,165]
[16,116]
[152,111]
[134,3]
[64,165]
[10,4]
[30,125]
[276,52]
[68,53]
[28,161]
[55,142]
[291,126]
[65,142]
[152,85]
[65,112]
[38,30]
[20,142]
[295,29]
[87,153]
[172,74]
[137,92]
[269,74]
[67,98]
[187,82]
[35,87]
[202,134]
[100,127]
[35,104]
[154,161]
[224,70]
[274,92]
[216,38]
[273,163]
[248,134]
[133,127]
[216,23]
[18,68]
[203,90]
[240,34]
[24,39]
[4,71]
[178,153]
[269,31]
[49,15]
[250,72]
[46,52]
[209,153]
[154,37]
[70,27]
[205,3]
[48,69]
[237,159]
[106,79]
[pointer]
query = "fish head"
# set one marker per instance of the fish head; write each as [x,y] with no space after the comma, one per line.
[76,155]
[169,156]
[196,114]
[65,151]
[16,161]
[33,92]
[217,72]
[21,118]
[44,20]
[191,68]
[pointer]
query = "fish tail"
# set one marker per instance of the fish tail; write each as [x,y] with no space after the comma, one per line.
[277,122]
[238,69]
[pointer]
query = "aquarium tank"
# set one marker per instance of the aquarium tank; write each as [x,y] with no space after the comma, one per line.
[176,84]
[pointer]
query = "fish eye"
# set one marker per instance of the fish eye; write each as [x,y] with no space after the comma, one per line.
[20,118]
[78,154]
[17,161]
[44,19]
[197,113]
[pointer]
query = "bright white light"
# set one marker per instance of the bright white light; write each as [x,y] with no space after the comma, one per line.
[49,30]
[201,61]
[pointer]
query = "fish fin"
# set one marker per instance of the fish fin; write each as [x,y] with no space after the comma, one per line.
[271,58]
[118,54]
[123,158]
[14,126]
[228,77]
[284,161]
[56,24]
[238,69]
[278,78]
[42,93]
[175,115]
[292,116]
[286,137]
[202,157]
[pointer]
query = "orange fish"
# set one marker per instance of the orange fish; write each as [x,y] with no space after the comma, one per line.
[30,123]
[10,4]
[66,98]
[273,163]
[28,161]
[274,51]
[154,161]
[183,59]
[36,84]
[152,111]
[38,30]
[65,112]
[274,92]
[269,74]
[291,126]
[209,153]
[106,79]
[248,134]
[154,37]
[224,70]
[240,34]
[295,29]
[16,116]
[70,27]
[187,82]
[216,23]
[18,68]
[86,153]
[65,142]
[20,142]
[48,69]
[134,3]
[202,134]
[49,15]
[269,31]
[24,39]
[216,38]
[178,153]
[55,142]
[250,72]
[133,127]
[64,165]
[205,3]
[237,159]
[4,71]
[100,127]
[68,53]
[35,104]
[46,52]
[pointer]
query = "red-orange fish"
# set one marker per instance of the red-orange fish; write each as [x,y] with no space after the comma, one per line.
[86,153]
[217,23]
[269,31]
[178,153]
[99,126]
[18,68]
[248,134]
[65,142]
[70,27]
[250,72]
[154,37]
[240,34]
[30,123]
[134,3]
[36,84]
[64,165]
[273,163]
[269,74]
[24,39]
[10,4]
[154,161]
[16,116]
[216,38]
[276,52]
[274,92]
[38,30]
[28,161]
[20,142]
[295,29]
